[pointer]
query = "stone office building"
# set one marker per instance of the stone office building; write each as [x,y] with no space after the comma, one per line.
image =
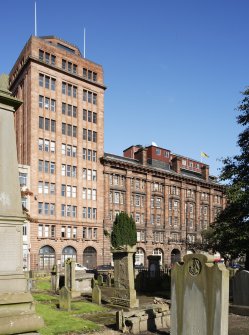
[171,198]
[60,136]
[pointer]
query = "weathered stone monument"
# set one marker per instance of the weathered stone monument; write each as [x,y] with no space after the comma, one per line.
[65,299]
[241,288]
[124,293]
[17,309]
[96,295]
[70,277]
[199,297]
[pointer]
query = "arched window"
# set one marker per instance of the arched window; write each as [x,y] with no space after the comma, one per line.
[90,258]
[68,252]
[46,258]
[139,257]
[159,252]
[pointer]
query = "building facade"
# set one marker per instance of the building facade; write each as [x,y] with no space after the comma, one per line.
[171,198]
[60,136]
[75,189]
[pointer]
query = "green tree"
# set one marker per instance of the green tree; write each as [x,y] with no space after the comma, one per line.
[230,235]
[124,231]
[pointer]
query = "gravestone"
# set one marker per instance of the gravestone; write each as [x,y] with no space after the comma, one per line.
[100,280]
[199,297]
[70,277]
[241,288]
[124,293]
[154,265]
[65,299]
[17,308]
[109,280]
[96,295]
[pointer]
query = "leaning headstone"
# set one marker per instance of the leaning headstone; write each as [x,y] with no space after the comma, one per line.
[96,295]
[124,293]
[241,288]
[65,299]
[199,297]
[17,308]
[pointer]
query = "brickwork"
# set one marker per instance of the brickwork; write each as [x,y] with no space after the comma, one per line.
[169,208]
[25,83]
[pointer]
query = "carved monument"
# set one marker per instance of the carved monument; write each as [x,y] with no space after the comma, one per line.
[124,293]
[199,297]
[17,309]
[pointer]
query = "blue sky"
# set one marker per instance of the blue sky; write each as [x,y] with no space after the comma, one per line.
[175,69]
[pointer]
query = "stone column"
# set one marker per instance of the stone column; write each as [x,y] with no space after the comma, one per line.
[17,309]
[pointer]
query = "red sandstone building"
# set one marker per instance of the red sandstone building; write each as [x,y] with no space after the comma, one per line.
[60,134]
[171,198]
[77,189]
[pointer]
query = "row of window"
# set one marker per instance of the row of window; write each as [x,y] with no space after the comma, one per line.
[67,109]
[68,66]
[89,116]
[45,187]
[45,208]
[67,232]
[69,89]
[47,57]
[89,213]
[68,129]
[90,155]
[47,124]
[138,184]
[47,103]
[90,75]
[66,170]
[89,174]
[90,97]
[89,135]
[69,150]
[89,194]
[46,145]
[47,82]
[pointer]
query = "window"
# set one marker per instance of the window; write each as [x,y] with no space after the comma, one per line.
[158,151]
[22,178]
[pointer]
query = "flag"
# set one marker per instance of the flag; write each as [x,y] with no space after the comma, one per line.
[204,155]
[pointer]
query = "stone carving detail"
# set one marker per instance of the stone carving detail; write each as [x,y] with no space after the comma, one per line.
[194,267]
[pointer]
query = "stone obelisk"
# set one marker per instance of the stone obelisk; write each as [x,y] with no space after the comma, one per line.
[17,309]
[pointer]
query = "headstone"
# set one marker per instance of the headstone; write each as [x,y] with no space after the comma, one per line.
[65,299]
[100,280]
[199,297]
[154,265]
[17,311]
[124,293]
[241,288]
[96,295]
[109,280]
[70,278]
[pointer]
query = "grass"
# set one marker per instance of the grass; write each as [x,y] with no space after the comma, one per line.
[60,321]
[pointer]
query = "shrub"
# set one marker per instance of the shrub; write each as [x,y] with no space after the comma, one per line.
[124,231]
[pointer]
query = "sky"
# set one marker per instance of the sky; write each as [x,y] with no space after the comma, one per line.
[174,69]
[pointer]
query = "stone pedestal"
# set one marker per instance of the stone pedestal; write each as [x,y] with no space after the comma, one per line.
[124,293]
[17,310]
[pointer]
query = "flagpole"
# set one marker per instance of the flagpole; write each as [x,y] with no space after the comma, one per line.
[35,21]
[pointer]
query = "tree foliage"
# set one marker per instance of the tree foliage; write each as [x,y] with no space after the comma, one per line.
[124,231]
[230,232]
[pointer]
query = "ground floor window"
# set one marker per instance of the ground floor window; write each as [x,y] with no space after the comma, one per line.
[46,258]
